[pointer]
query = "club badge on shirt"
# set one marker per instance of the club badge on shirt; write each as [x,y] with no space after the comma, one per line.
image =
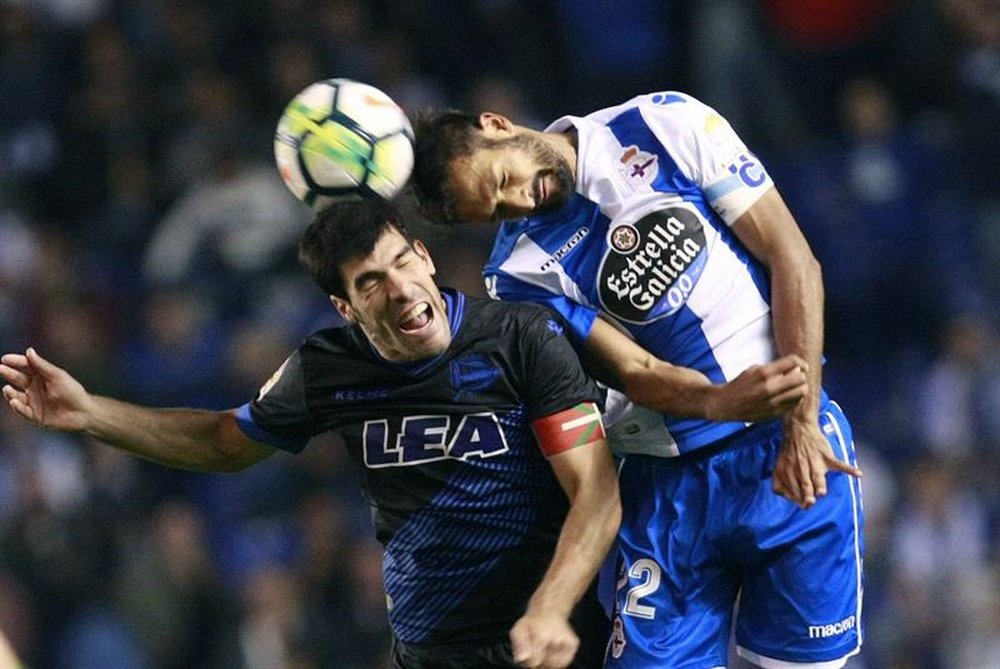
[637,166]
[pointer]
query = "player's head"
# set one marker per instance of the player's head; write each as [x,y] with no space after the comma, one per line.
[484,168]
[378,276]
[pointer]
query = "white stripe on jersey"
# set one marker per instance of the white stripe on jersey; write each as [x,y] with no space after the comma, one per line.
[529,262]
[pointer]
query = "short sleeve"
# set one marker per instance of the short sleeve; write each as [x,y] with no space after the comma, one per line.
[709,152]
[279,415]
[554,376]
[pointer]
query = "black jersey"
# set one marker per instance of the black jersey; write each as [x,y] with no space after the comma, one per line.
[465,503]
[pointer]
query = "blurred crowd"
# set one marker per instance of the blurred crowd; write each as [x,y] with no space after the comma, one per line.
[147,245]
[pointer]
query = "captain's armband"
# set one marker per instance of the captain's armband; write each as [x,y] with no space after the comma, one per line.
[568,428]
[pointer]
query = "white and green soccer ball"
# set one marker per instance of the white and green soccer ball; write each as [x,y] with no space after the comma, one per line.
[339,140]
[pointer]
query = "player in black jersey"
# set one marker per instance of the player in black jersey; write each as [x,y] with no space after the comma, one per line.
[476,431]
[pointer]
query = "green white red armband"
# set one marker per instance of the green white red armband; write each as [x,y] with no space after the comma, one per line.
[568,429]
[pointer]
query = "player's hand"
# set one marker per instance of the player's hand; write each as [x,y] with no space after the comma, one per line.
[42,393]
[761,391]
[543,641]
[803,463]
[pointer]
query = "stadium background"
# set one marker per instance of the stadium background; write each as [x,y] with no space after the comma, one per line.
[146,245]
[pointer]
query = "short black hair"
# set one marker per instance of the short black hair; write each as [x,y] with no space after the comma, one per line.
[342,232]
[440,139]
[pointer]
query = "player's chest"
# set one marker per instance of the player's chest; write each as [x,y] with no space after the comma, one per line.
[467,409]
[641,265]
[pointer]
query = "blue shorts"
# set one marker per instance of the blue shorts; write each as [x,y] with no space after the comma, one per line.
[702,536]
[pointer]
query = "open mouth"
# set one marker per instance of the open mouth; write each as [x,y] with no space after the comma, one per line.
[416,318]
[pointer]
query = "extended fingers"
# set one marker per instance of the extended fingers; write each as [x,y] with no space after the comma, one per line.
[14,375]
[14,360]
[18,401]
[844,467]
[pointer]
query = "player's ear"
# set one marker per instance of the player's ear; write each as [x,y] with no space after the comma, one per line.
[495,125]
[425,255]
[344,308]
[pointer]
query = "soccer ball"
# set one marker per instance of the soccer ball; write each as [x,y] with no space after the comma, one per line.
[340,139]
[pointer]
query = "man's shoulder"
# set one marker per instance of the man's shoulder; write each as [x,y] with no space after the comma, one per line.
[484,310]
[335,339]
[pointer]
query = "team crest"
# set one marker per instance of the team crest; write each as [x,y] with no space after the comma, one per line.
[624,238]
[637,166]
[472,373]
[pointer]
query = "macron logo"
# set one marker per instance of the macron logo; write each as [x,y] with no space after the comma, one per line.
[833,629]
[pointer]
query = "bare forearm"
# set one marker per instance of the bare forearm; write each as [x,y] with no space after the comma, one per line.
[183,438]
[645,379]
[584,542]
[797,313]
[669,389]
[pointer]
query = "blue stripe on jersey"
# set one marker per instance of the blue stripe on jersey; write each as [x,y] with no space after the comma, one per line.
[630,128]
[756,270]
[695,352]
[244,420]
[444,550]
[549,232]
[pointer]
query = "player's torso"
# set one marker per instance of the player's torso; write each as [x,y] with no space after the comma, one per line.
[640,243]
[461,492]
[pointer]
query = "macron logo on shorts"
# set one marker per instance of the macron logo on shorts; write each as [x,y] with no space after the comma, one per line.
[833,629]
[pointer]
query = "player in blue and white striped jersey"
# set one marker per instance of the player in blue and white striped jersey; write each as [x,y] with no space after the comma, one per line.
[687,283]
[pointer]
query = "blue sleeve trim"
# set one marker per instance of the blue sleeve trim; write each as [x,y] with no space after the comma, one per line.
[244,420]
[722,188]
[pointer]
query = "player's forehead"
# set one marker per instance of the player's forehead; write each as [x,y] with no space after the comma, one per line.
[390,245]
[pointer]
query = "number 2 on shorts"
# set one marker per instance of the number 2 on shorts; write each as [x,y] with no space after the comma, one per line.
[649,573]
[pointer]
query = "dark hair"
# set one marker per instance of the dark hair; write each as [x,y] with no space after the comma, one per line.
[342,232]
[440,139]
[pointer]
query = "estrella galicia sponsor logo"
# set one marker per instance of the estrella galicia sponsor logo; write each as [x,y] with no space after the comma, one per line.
[472,373]
[652,276]
[564,250]
[750,171]
[832,629]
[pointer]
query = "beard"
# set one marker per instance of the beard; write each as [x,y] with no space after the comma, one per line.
[551,164]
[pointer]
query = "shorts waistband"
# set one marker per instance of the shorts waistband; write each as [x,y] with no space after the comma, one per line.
[751,435]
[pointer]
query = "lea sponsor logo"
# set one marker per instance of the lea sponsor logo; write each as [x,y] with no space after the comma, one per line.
[420,439]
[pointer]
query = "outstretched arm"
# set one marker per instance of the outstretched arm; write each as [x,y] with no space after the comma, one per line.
[543,637]
[195,439]
[760,392]
[771,234]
